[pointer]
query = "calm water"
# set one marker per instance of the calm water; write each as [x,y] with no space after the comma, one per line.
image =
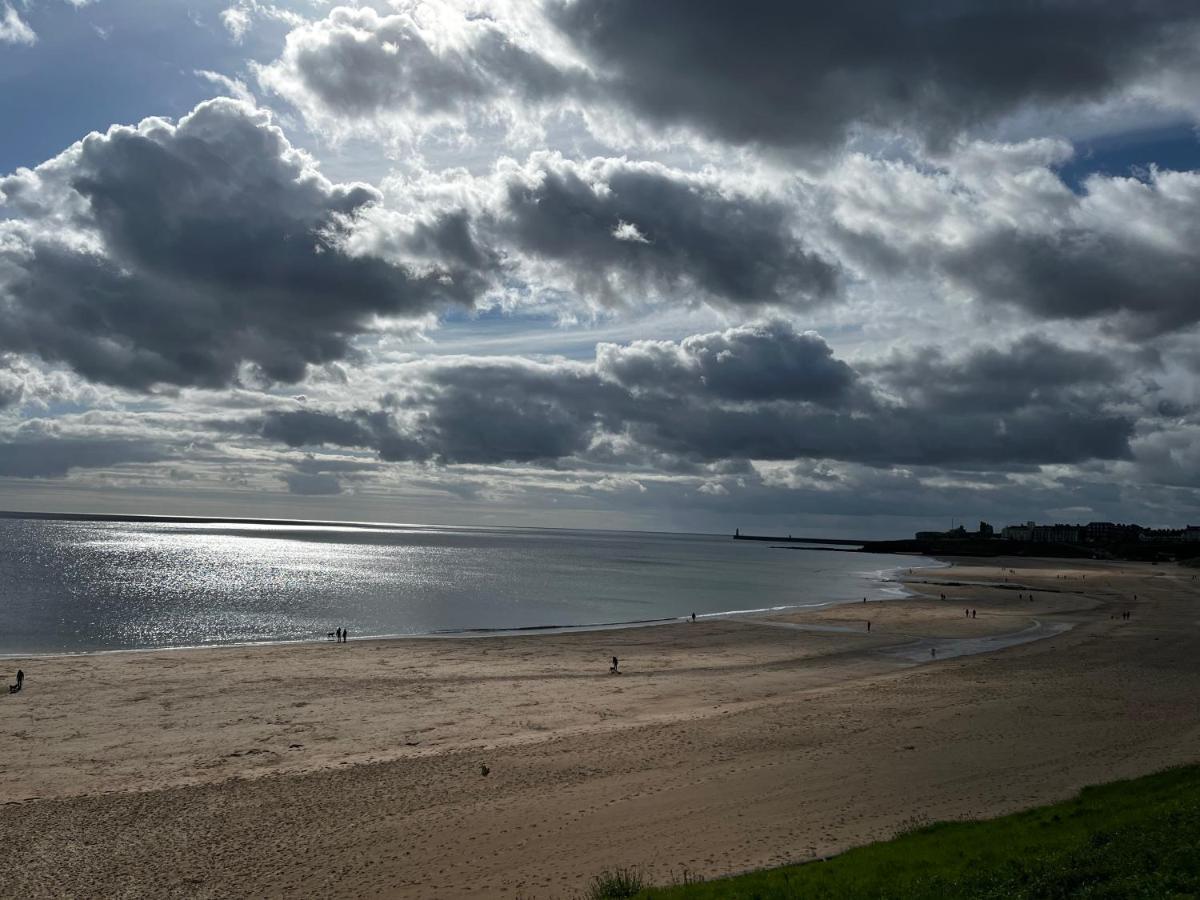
[78,586]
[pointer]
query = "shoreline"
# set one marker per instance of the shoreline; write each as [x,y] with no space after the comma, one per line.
[347,770]
[879,577]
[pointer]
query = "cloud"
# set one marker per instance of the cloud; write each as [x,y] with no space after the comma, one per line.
[13,29]
[1126,249]
[239,18]
[768,361]
[53,457]
[418,68]
[231,87]
[762,392]
[12,387]
[321,484]
[236,21]
[797,75]
[174,254]
[994,222]
[1032,371]
[618,231]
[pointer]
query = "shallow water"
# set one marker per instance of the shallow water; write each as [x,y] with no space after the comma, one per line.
[83,586]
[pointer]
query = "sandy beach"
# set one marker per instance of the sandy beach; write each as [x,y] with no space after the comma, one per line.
[726,744]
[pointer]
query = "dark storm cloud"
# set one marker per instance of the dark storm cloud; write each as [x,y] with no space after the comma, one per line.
[789,74]
[770,361]
[372,429]
[721,403]
[891,436]
[305,427]
[203,246]
[1033,371]
[54,457]
[491,412]
[465,412]
[998,224]
[620,229]
[1080,273]
[450,236]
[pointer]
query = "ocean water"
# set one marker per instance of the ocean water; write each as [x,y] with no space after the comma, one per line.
[88,586]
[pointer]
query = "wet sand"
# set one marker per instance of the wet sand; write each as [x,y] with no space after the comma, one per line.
[355,770]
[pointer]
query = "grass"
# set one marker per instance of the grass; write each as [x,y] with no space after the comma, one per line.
[616,884]
[1128,839]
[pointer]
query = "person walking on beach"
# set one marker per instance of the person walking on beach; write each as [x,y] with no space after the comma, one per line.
[868,625]
[973,613]
[614,670]
[20,678]
[345,635]
[933,652]
[339,635]
[693,617]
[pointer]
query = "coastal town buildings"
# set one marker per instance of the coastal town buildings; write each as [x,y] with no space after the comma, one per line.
[1093,533]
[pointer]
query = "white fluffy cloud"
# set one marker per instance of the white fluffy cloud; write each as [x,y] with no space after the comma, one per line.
[13,29]
[424,66]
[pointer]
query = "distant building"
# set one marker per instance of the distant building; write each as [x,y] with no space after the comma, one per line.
[1110,533]
[957,534]
[1102,534]
[1162,535]
[1018,532]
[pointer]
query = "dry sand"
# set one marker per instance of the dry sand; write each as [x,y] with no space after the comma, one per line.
[355,770]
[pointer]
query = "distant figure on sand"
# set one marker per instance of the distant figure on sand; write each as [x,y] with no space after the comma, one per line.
[693,617]
[339,635]
[614,670]
[933,652]
[868,624]
[973,613]
[20,679]
[345,635]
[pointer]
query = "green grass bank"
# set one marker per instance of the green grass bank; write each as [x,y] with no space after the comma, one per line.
[1128,839]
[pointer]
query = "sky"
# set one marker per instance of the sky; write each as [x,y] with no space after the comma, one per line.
[854,269]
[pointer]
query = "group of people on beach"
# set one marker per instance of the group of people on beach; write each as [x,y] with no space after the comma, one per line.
[13,688]
[342,634]
[969,613]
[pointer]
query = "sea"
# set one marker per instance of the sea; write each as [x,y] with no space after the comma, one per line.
[88,586]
